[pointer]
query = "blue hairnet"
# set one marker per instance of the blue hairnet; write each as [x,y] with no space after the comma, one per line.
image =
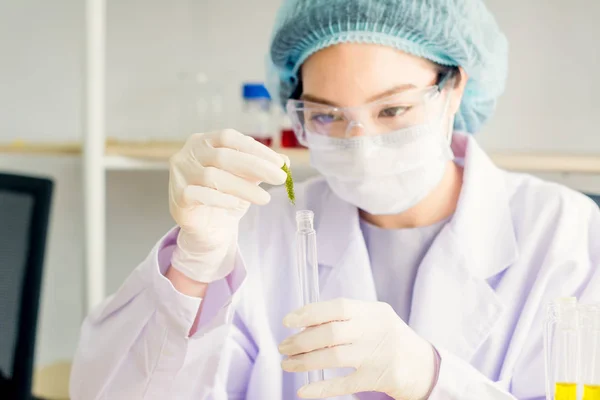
[448,32]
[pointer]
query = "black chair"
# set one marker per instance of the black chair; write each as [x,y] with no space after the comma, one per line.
[24,214]
[594,197]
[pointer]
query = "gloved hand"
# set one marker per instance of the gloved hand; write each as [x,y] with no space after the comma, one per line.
[388,356]
[213,179]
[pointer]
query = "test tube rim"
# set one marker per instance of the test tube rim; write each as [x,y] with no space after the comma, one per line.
[304,214]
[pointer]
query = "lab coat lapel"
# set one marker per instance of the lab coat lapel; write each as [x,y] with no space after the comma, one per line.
[344,266]
[453,305]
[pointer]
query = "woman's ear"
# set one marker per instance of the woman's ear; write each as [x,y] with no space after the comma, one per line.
[458,91]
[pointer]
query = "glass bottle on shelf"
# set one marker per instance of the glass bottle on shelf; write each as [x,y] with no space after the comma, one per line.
[288,137]
[200,104]
[256,113]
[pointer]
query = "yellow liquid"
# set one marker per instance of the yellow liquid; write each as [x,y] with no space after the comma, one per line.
[565,391]
[591,392]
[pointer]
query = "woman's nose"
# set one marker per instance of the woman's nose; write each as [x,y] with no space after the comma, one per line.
[355,129]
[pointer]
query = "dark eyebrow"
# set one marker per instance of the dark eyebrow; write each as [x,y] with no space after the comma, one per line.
[394,90]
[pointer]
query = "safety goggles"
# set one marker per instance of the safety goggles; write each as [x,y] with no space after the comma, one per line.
[410,108]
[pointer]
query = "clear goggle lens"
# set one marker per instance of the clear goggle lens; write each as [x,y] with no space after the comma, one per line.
[415,107]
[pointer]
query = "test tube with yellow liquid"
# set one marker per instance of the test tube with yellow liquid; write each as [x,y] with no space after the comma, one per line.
[561,345]
[591,392]
[589,317]
[565,391]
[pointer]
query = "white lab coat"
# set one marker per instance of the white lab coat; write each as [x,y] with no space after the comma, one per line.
[514,244]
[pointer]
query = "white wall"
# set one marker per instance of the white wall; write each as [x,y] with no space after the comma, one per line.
[550,104]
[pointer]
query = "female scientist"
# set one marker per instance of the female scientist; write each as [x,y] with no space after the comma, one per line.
[435,266]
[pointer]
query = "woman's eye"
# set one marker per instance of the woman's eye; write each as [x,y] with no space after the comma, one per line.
[393,111]
[323,118]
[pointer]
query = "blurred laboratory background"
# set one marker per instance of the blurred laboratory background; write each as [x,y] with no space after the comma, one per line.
[165,69]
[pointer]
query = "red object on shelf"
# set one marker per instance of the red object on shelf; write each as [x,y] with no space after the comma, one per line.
[289,139]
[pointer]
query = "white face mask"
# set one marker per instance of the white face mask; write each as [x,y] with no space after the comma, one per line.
[384,174]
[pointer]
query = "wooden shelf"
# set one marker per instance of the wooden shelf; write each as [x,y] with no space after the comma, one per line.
[52,382]
[123,155]
[40,148]
[561,163]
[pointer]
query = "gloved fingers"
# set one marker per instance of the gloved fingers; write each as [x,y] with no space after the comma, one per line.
[194,195]
[226,183]
[319,337]
[321,313]
[247,166]
[343,356]
[200,195]
[176,181]
[342,386]
[232,139]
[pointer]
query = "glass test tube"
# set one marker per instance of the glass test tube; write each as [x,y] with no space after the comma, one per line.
[308,268]
[562,350]
[590,351]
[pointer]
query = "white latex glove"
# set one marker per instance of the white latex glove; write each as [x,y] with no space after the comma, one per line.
[386,354]
[213,179]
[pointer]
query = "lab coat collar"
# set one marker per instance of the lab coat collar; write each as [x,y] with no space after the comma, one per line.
[482,222]
[453,305]
[337,226]
[344,266]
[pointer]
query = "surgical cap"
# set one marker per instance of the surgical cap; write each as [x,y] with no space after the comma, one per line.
[448,32]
